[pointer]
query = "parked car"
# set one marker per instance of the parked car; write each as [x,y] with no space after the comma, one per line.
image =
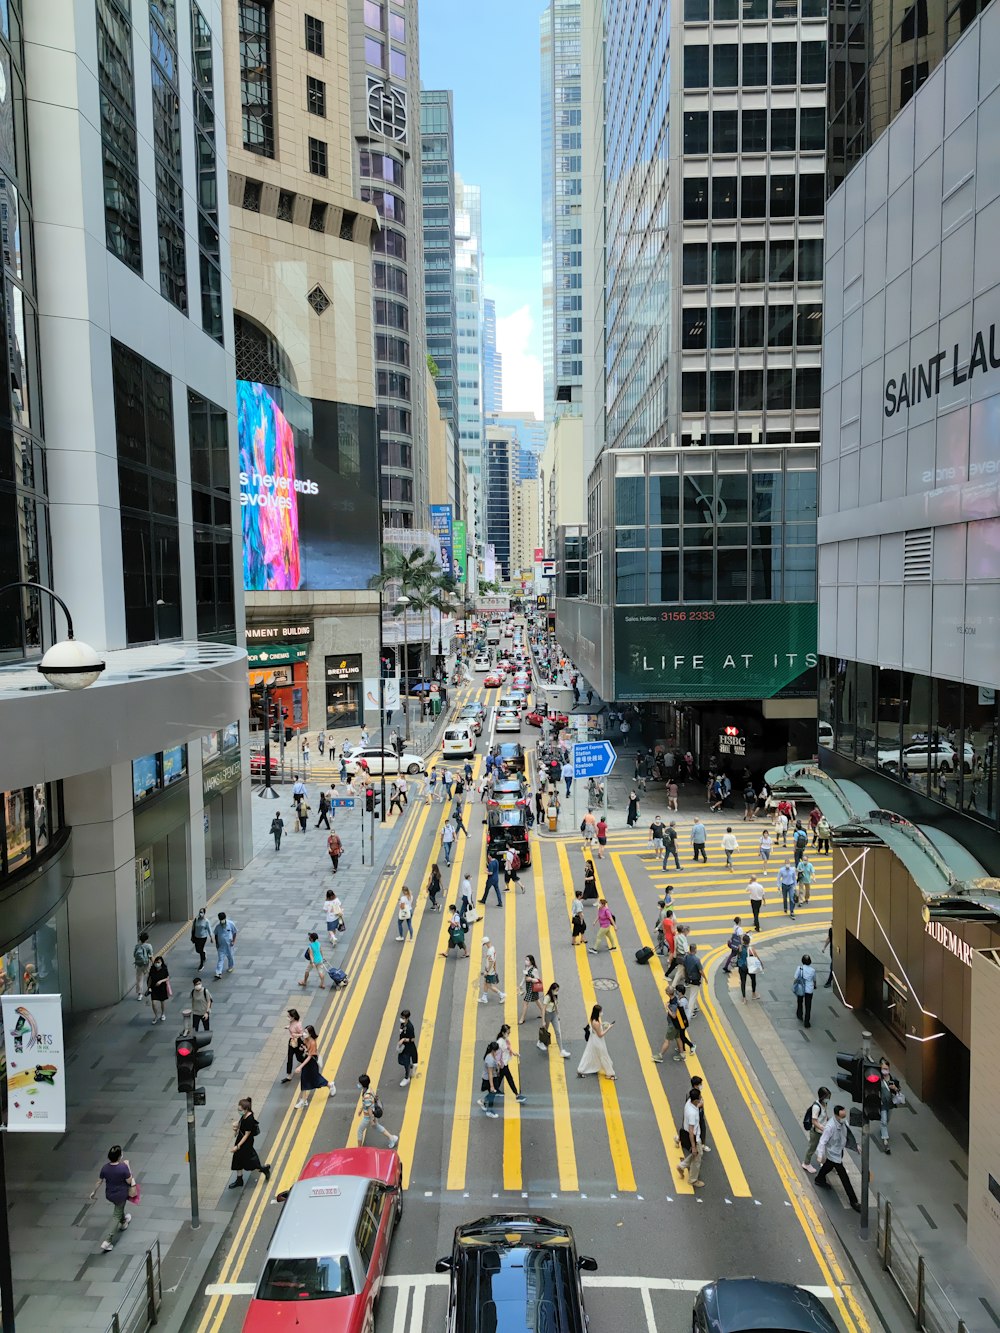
[383,761]
[939,755]
[515,1272]
[494,680]
[330,1249]
[512,754]
[509,719]
[481,664]
[535,719]
[473,717]
[257,764]
[734,1305]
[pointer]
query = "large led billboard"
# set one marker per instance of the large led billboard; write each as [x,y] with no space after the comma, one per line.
[308,491]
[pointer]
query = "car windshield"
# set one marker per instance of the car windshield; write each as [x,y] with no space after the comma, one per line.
[513,818]
[510,751]
[509,1291]
[306,1279]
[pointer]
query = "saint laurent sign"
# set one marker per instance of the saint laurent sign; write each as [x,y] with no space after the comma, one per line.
[923,381]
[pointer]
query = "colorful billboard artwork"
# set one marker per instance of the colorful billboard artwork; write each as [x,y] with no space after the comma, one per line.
[441,526]
[308,491]
[727,651]
[459,549]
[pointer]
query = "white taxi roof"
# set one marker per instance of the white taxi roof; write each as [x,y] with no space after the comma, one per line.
[319,1217]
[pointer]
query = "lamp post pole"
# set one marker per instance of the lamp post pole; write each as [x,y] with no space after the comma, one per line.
[404,602]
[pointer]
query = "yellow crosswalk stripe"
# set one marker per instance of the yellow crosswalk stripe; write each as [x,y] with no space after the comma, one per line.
[621,1159]
[511,1107]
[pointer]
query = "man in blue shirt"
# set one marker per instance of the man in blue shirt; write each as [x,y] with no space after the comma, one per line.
[225,938]
[699,837]
[786,883]
[492,879]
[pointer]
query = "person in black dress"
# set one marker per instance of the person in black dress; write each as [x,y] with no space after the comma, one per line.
[245,1156]
[590,891]
[406,1047]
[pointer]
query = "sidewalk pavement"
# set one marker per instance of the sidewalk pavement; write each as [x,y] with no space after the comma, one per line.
[121,1088]
[924,1177]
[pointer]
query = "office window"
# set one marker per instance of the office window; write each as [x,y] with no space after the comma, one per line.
[315,96]
[693,336]
[751,255]
[255,76]
[725,131]
[317,157]
[695,198]
[781,261]
[810,261]
[812,128]
[397,63]
[314,35]
[754,204]
[726,11]
[397,26]
[695,11]
[696,67]
[375,52]
[695,265]
[693,391]
[755,65]
[373,14]
[698,580]
[211,511]
[808,387]
[696,132]
[116,86]
[813,63]
[752,326]
[724,263]
[782,199]
[754,130]
[809,325]
[784,64]
[751,391]
[167,150]
[779,390]
[811,195]
[914,23]
[754,11]
[725,196]
[780,325]
[723,326]
[203,94]
[911,77]
[726,65]
[784,135]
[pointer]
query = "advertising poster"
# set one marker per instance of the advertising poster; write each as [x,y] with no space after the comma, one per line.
[308,491]
[490,565]
[441,526]
[390,693]
[36,1066]
[727,651]
[459,551]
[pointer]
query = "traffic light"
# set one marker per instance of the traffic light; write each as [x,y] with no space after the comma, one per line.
[191,1055]
[369,798]
[851,1081]
[871,1078]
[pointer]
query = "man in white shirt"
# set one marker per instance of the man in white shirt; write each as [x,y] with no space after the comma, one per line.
[729,845]
[491,977]
[567,775]
[755,892]
[830,1155]
[781,828]
[691,1124]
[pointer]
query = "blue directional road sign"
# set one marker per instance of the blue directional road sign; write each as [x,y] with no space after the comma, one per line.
[593,759]
[343,801]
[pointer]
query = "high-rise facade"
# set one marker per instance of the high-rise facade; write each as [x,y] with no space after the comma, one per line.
[492,360]
[469,319]
[437,152]
[385,100]
[531,436]
[562,202]
[499,484]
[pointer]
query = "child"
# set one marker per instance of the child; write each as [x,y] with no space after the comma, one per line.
[579,920]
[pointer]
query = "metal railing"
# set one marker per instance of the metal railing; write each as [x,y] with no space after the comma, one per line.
[143,1297]
[932,1311]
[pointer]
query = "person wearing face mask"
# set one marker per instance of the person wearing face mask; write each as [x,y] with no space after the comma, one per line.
[830,1155]
[245,1156]
[201,1006]
[201,933]
[550,1009]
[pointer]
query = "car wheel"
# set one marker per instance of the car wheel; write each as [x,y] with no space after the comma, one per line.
[413,768]
[399,1201]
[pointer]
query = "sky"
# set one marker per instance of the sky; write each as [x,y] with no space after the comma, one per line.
[486,51]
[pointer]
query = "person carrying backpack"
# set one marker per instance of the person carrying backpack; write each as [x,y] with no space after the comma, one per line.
[734,943]
[800,840]
[142,956]
[371,1113]
[277,828]
[511,865]
[814,1122]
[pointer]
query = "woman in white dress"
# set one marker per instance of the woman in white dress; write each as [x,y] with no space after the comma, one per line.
[595,1059]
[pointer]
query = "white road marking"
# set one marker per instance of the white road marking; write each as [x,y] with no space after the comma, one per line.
[647,1305]
[230,1288]
[402,1306]
[418,1307]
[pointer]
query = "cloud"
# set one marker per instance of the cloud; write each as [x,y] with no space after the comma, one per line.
[523,379]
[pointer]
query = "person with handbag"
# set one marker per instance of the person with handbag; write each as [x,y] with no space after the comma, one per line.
[333,910]
[550,1009]
[201,1006]
[310,1076]
[245,1156]
[406,1047]
[160,989]
[734,943]
[533,988]
[748,965]
[491,1078]
[119,1188]
[277,829]
[803,988]
[314,961]
[404,915]
[296,1043]
[335,849]
[892,1095]
[434,886]
[605,923]
[505,1055]
[201,933]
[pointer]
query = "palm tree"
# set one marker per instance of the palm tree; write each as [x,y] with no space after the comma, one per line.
[412,571]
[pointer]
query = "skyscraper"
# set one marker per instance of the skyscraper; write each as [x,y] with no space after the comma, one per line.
[492,360]
[469,320]
[562,197]
[437,150]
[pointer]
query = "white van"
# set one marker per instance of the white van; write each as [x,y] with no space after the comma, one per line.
[512,703]
[826,735]
[459,742]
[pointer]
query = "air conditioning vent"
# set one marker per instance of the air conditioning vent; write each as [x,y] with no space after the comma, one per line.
[918,555]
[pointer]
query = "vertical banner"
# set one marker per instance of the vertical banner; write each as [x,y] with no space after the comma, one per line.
[441,526]
[490,565]
[390,693]
[459,550]
[36,1067]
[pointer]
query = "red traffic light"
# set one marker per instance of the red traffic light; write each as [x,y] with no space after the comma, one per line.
[873,1076]
[184,1048]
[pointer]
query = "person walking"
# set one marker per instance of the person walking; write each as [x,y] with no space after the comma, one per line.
[446,782]
[321,743]
[691,1126]
[595,1058]
[296,1043]
[310,1076]
[404,793]
[578,920]
[803,988]
[749,802]
[142,957]
[891,1095]
[201,1006]
[456,933]
[532,988]
[800,841]
[334,849]
[116,1177]
[406,1047]
[823,834]
[550,1011]
[394,799]
[333,910]
[492,879]
[314,961]
[670,846]
[601,830]
[694,975]
[467,897]
[159,988]
[748,965]
[814,1123]
[668,926]
[733,944]
[828,948]
[804,878]
[781,827]
[245,1156]
[590,892]
[567,776]
[673,792]
[277,829]
[511,865]
[302,808]
[432,786]
[787,879]
[729,845]
[491,972]
[540,804]
[201,933]
[656,832]
[448,840]
[632,815]
[434,887]
[371,1113]
[404,915]
[755,892]
[815,815]
[830,1155]
[588,827]
[699,837]
[764,849]
[605,924]
[323,811]
[491,1078]
[505,1054]
[225,933]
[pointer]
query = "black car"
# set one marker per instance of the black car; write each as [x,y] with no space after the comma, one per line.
[513,1273]
[512,755]
[740,1304]
[508,828]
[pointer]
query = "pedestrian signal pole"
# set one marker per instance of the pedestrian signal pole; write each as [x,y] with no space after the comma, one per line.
[191,1055]
[871,1109]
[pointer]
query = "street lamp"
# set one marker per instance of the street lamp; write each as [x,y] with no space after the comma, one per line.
[69,664]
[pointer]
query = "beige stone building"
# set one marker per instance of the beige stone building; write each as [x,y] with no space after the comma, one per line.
[301,246]
[525,527]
